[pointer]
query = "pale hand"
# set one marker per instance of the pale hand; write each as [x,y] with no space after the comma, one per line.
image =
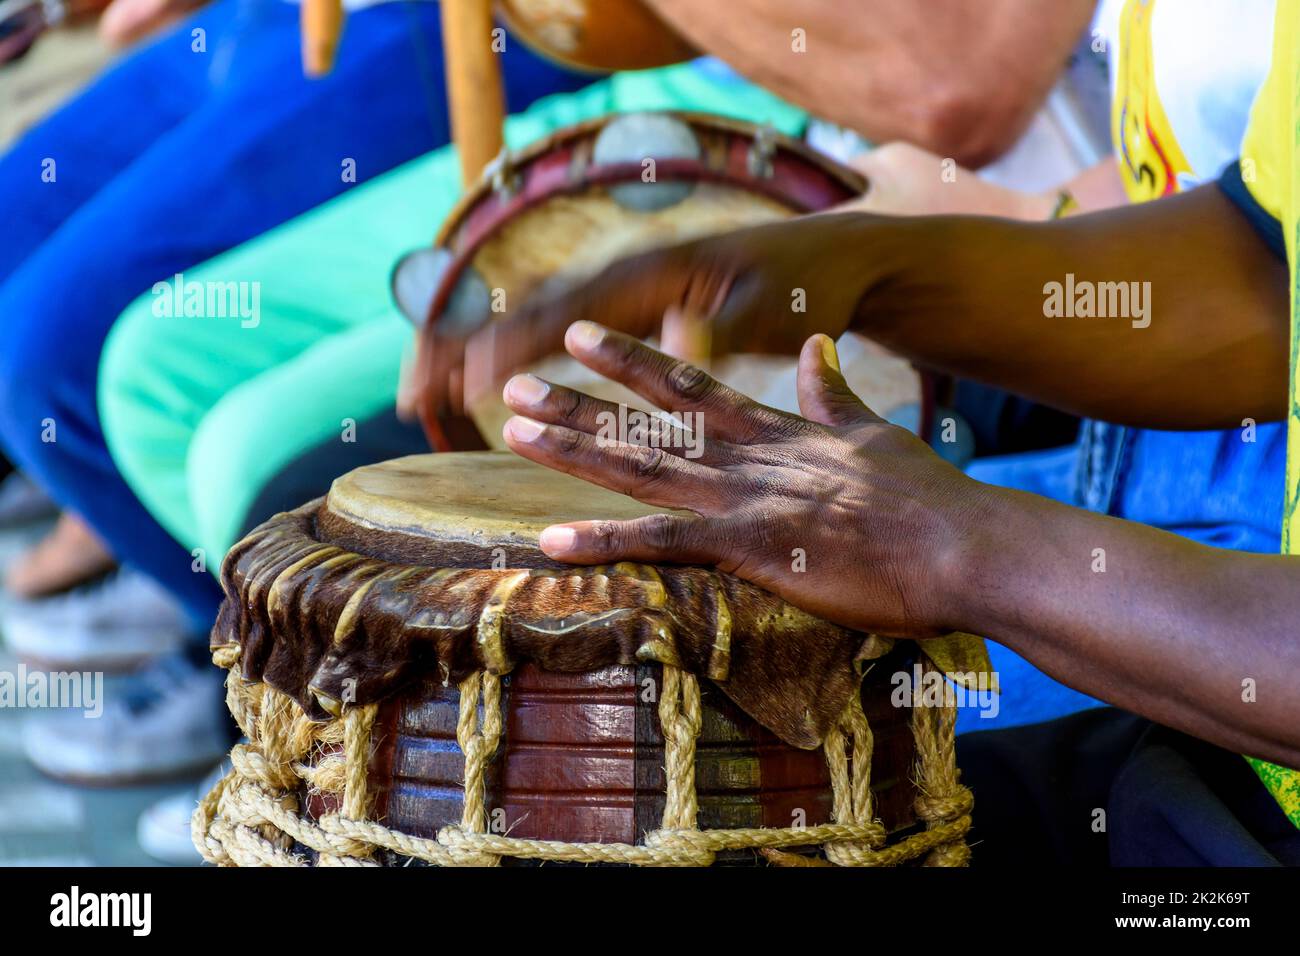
[124,22]
[906,180]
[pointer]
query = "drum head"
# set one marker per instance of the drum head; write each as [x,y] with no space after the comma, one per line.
[463,508]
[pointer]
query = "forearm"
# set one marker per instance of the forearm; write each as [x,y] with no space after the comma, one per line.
[961,79]
[1196,638]
[1203,342]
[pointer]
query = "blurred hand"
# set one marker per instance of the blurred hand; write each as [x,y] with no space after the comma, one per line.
[126,21]
[906,180]
[877,517]
[760,289]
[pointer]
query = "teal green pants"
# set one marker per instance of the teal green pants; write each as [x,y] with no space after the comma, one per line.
[200,413]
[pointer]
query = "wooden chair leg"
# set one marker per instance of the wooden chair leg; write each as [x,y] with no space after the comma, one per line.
[321,25]
[475,93]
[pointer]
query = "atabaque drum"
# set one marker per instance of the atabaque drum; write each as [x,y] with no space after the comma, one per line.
[592,193]
[417,681]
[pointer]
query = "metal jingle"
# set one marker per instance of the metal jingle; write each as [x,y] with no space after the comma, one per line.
[500,172]
[415,281]
[761,152]
[644,138]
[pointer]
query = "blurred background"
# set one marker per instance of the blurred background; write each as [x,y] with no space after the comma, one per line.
[48,52]
[47,822]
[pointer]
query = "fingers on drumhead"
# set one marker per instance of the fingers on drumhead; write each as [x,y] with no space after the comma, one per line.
[683,436]
[558,405]
[656,476]
[659,537]
[668,383]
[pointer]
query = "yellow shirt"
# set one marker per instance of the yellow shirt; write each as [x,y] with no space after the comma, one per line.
[1150,159]
[1208,58]
[1269,168]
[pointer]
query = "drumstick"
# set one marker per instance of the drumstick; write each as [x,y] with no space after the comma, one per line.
[687,335]
[475,97]
[321,22]
[476,106]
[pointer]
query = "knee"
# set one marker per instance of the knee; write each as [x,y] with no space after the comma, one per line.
[222,465]
[40,363]
[1140,825]
[123,393]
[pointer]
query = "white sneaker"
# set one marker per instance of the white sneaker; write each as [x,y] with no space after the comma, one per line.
[22,502]
[112,625]
[165,722]
[164,828]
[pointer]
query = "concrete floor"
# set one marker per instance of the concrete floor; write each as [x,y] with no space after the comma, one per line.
[46,823]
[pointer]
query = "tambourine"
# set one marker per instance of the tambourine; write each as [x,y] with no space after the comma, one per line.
[567,205]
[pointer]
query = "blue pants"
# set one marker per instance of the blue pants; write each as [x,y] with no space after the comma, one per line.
[1169,799]
[196,143]
[1220,488]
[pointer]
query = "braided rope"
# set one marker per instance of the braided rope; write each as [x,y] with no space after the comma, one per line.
[252,816]
[851,785]
[941,797]
[680,719]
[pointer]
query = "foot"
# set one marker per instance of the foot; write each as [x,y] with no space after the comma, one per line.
[71,554]
[115,624]
[168,722]
[22,502]
[164,828]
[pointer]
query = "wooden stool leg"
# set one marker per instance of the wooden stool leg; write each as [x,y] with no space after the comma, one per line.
[321,24]
[475,95]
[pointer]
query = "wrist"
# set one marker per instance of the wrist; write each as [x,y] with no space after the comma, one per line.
[876,256]
[973,553]
[1046,206]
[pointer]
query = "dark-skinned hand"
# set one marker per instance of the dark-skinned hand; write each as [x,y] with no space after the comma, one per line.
[882,522]
[762,289]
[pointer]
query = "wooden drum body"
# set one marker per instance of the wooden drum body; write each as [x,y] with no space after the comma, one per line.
[418,681]
[581,760]
[570,204]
